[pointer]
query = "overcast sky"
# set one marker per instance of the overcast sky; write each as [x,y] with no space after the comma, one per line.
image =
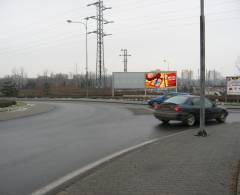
[35,35]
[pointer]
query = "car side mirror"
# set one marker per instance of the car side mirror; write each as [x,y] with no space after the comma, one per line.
[214,105]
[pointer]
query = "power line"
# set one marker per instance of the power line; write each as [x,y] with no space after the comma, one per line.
[164,28]
[40,44]
[171,19]
[145,5]
[147,25]
[170,27]
[50,26]
[165,13]
[44,19]
[217,3]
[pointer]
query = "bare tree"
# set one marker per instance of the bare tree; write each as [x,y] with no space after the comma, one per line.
[19,76]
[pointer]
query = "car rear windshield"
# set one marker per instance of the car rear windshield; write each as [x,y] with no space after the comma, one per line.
[177,100]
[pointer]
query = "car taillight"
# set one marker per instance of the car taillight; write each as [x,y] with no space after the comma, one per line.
[177,109]
[157,106]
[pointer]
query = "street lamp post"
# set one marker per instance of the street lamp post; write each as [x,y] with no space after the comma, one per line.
[166,62]
[86,28]
[202,131]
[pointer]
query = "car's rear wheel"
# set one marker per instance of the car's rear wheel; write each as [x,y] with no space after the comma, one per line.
[165,122]
[222,117]
[191,120]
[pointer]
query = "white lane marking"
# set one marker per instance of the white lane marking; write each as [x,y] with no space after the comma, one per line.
[64,179]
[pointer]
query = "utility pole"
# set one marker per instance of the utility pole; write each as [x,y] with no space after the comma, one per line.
[202,131]
[125,58]
[100,66]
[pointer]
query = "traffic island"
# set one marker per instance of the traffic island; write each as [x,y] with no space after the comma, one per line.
[24,109]
[15,107]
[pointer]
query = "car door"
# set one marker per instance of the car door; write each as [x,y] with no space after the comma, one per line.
[195,106]
[215,111]
[209,111]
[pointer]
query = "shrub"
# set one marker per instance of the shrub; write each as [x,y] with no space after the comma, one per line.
[6,103]
[9,89]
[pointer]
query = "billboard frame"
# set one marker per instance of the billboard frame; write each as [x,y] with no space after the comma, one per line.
[144,87]
[227,86]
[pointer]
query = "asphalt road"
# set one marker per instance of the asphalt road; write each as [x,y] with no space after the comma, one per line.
[37,150]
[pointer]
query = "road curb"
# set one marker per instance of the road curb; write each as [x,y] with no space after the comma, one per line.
[87,100]
[67,180]
[104,101]
[238,179]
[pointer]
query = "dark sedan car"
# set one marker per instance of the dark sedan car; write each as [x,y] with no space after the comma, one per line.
[160,99]
[186,108]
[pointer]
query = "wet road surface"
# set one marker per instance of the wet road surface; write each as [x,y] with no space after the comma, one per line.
[40,149]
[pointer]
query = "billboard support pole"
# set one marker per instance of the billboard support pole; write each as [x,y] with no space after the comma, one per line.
[112,92]
[226,91]
[176,83]
[113,85]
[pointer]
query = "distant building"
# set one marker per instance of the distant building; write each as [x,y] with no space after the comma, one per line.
[213,77]
[187,75]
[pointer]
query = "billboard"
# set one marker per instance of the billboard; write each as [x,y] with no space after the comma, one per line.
[233,85]
[128,80]
[160,80]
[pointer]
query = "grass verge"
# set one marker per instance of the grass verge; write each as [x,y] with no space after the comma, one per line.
[18,106]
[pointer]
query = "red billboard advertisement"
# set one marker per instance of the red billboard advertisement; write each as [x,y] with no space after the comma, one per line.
[160,80]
